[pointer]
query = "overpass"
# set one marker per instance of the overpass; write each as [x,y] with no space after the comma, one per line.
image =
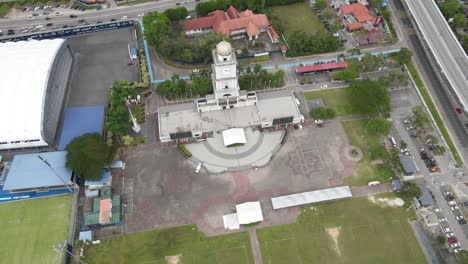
[445,47]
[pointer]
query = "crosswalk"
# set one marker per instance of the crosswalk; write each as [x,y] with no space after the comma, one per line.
[452,165]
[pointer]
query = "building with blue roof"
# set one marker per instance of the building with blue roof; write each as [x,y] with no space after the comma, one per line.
[28,176]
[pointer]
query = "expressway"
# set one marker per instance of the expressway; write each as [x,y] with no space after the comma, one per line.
[103,15]
[447,50]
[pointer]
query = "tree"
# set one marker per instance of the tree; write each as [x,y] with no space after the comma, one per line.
[202,86]
[302,44]
[394,79]
[177,13]
[421,118]
[403,144]
[322,113]
[379,126]
[403,56]
[433,140]
[351,73]
[321,4]
[369,96]
[254,5]
[206,7]
[118,117]
[450,7]
[459,20]
[157,28]
[378,151]
[88,155]
[371,62]
[442,240]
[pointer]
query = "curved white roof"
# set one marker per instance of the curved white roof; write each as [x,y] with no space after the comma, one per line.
[24,71]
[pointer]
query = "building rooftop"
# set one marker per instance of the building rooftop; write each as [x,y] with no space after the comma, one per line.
[409,165]
[24,68]
[358,10]
[27,171]
[185,118]
[250,212]
[322,67]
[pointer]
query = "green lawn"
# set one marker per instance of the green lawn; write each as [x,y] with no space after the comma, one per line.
[298,17]
[336,99]
[255,59]
[433,109]
[154,246]
[31,228]
[368,233]
[4,10]
[365,171]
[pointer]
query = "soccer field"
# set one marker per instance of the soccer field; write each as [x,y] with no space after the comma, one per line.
[346,231]
[183,244]
[30,229]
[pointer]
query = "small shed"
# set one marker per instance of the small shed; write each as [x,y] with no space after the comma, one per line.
[234,136]
[86,235]
[397,185]
[250,212]
[409,165]
[92,193]
[426,199]
[231,221]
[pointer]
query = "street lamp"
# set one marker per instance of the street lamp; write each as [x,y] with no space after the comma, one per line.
[56,174]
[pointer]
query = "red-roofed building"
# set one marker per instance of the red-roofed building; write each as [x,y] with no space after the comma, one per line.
[231,23]
[105,210]
[321,67]
[356,16]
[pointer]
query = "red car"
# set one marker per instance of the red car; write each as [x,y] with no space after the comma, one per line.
[452,240]
[459,110]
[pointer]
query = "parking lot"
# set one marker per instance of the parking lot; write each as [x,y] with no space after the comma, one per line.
[169,192]
[100,59]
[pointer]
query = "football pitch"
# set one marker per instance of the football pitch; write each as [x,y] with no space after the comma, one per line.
[185,244]
[31,228]
[346,231]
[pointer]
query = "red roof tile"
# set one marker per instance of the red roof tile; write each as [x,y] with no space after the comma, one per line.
[354,26]
[273,33]
[322,67]
[358,10]
[232,12]
[105,206]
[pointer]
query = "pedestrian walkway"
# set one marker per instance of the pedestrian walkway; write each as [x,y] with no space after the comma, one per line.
[371,190]
[255,246]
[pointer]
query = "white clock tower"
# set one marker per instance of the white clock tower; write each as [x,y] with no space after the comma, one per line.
[225,83]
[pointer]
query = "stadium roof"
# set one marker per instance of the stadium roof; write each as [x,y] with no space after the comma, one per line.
[24,67]
[27,171]
[310,197]
[322,67]
[91,121]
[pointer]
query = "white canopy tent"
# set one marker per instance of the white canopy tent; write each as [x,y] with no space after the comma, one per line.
[231,221]
[234,136]
[311,197]
[250,212]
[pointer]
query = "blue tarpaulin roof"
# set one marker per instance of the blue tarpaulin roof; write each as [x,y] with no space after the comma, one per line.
[80,120]
[104,179]
[28,171]
[86,235]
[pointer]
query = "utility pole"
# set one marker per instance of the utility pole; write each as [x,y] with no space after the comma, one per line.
[56,174]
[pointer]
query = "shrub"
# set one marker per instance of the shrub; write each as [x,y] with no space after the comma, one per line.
[322,113]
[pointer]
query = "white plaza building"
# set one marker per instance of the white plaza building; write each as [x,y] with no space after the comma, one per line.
[228,107]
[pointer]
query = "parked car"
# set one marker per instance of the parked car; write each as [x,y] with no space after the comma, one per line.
[462,221]
[450,234]
[447,193]
[459,110]
[455,245]
[452,240]
[458,217]
[453,208]
[452,202]
[447,229]
[442,220]
[318,121]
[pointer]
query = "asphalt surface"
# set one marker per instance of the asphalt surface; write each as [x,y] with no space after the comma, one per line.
[98,15]
[440,92]
[443,43]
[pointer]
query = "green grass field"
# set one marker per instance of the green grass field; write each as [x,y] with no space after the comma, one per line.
[366,233]
[298,17]
[365,171]
[336,99]
[154,246]
[31,228]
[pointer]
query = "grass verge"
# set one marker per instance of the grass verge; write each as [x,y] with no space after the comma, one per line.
[336,99]
[186,244]
[31,228]
[346,231]
[365,171]
[4,10]
[432,108]
[298,17]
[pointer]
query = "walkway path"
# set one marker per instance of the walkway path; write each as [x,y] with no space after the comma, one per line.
[371,190]
[255,246]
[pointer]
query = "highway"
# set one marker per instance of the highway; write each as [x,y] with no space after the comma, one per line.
[104,15]
[448,52]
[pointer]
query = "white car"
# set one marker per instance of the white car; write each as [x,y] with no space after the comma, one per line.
[39,26]
[455,245]
[453,208]
[447,193]
[452,202]
[450,234]
[436,210]
[458,217]
[124,18]
[447,229]
[324,86]
[31,18]
[442,220]
[197,170]
[58,13]
[318,121]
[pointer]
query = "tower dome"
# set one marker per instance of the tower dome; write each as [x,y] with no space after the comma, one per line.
[224,48]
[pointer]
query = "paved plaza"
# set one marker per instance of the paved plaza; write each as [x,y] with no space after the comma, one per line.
[163,190]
